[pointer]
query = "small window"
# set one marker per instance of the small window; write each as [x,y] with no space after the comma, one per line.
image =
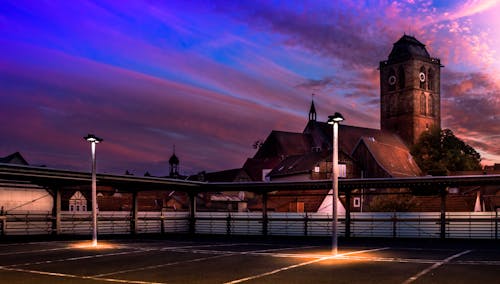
[356,202]
[422,104]
[401,77]
[430,105]
[316,169]
[71,208]
[430,79]
[342,170]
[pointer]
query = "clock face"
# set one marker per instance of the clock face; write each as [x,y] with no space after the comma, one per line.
[392,80]
[421,77]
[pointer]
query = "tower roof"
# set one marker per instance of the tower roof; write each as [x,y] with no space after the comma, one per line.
[407,47]
[173,160]
[312,109]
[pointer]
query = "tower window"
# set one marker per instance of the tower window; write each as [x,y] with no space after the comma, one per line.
[422,104]
[430,105]
[401,77]
[393,105]
[430,79]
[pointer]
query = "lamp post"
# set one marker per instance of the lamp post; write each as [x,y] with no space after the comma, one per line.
[335,120]
[93,140]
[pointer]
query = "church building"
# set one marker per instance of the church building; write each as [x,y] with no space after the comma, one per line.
[409,105]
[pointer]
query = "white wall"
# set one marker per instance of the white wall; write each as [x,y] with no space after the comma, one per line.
[26,198]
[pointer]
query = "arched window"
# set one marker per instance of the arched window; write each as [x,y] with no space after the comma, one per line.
[422,104]
[393,105]
[401,77]
[422,77]
[430,79]
[430,105]
[391,80]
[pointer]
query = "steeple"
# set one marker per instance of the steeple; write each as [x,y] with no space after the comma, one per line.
[312,110]
[174,165]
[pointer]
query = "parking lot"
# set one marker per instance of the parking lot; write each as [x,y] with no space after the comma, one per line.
[220,260]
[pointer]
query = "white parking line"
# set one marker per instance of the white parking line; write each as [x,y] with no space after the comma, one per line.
[223,254]
[434,266]
[299,265]
[77,276]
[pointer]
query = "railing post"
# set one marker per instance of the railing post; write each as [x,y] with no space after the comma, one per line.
[394,224]
[192,213]
[348,213]
[228,224]
[134,220]
[264,214]
[56,211]
[306,225]
[162,222]
[496,223]
[442,193]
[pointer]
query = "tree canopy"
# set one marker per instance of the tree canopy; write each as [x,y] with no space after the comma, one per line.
[440,151]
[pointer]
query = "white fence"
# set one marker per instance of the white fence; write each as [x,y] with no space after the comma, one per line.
[468,225]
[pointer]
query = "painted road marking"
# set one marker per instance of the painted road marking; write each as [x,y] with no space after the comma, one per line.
[434,266]
[139,250]
[77,276]
[195,260]
[299,265]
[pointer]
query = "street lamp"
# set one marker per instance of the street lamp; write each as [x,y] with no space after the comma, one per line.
[93,140]
[335,120]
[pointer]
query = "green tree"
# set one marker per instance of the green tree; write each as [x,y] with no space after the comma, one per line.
[440,151]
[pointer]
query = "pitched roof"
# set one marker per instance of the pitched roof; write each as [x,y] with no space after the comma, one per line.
[281,143]
[299,163]
[391,154]
[253,167]
[15,158]
[348,135]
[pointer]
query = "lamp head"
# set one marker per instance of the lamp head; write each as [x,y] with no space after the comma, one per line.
[336,118]
[92,138]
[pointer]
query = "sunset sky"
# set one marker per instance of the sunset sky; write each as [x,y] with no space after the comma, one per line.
[212,77]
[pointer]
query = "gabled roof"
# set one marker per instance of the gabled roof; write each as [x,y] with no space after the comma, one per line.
[391,154]
[348,135]
[299,163]
[15,158]
[281,144]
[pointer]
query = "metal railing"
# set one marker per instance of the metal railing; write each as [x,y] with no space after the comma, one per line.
[467,225]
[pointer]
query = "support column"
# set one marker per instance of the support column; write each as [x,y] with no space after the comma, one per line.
[134,220]
[442,193]
[192,213]
[348,213]
[56,211]
[264,214]
[3,222]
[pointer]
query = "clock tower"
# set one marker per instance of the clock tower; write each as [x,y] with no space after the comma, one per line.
[410,101]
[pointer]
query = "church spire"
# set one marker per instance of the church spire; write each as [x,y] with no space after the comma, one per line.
[174,164]
[312,110]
